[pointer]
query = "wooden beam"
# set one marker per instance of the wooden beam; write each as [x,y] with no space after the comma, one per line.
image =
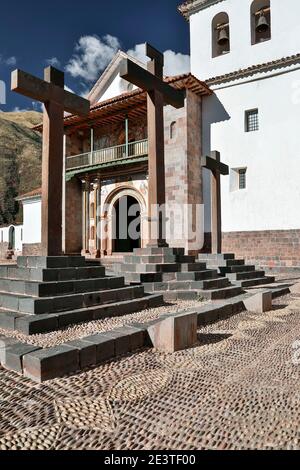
[214,165]
[145,80]
[44,91]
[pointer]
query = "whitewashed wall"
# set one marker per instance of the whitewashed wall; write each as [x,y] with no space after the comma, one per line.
[285,37]
[116,88]
[271,155]
[32,214]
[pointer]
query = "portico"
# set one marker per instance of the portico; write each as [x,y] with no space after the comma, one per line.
[106,162]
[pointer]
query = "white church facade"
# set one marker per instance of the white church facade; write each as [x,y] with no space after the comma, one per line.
[242,99]
[251,60]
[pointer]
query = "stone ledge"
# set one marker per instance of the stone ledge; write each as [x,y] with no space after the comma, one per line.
[45,364]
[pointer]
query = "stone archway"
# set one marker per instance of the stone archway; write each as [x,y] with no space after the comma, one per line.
[126,223]
[109,227]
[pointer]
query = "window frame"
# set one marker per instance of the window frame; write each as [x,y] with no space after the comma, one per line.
[248,126]
[242,176]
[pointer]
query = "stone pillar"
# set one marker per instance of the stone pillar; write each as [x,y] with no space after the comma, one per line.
[98,217]
[86,216]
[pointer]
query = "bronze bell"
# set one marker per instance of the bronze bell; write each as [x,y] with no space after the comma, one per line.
[262,24]
[223,37]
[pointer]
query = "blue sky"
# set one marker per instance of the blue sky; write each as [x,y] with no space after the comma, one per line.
[82,37]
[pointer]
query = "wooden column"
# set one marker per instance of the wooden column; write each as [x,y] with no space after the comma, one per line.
[98,218]
[213,163]
[52,178]
[86,216]
[50,91]
[216,217]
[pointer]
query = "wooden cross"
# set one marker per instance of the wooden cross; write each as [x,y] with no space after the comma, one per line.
[56,99]
[213,163]
[158,94]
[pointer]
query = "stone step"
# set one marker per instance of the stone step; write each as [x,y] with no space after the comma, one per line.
[38,324]
[159,251]
[207,257]
[50,261]
[37,306]
[245,275]
[53,274]
[195,276]
[46,289]
[229,262]
[224,271]
[254,282]
[158,259]
[159,268]
[186,285]
[223,293]
[217,294]
[140,278]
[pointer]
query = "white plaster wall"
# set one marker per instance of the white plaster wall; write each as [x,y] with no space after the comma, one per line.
[116,87]
[285,37]
[32,214]
[271,155]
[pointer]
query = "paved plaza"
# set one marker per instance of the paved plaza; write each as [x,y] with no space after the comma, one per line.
[237,389]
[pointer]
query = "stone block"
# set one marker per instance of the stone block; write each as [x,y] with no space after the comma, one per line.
[260,302]
[8,320]
[35,324]
[5,342]
[174,333]
[105,347]
[128,338]
[75,317]
[87,352]
[14,355]
[51,363]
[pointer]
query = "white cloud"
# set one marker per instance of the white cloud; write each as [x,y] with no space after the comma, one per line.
[9,61]
[92,54]
[175,63]
[54,62]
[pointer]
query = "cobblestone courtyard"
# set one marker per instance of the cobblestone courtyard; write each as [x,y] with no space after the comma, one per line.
[237,389]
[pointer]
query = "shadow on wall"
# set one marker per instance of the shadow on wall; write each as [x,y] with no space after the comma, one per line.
[213,113]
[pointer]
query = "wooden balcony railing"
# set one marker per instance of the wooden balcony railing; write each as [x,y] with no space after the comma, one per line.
[119,152]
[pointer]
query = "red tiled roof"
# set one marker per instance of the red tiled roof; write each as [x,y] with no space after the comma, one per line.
[191,6]
[137,97]
[279,63]
[31,194]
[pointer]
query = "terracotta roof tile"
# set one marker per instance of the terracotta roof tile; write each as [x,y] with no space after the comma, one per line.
[279,63]
[31,194]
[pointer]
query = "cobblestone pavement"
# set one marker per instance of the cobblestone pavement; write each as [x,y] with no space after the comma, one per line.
[237,388]
[81,330]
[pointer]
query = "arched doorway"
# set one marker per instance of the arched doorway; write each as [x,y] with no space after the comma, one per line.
[126,223]
[11,238]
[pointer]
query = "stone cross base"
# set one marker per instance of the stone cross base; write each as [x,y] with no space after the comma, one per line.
[174,333]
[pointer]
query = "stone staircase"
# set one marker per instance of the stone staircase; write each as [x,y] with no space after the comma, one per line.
[42,294]
[169,272]
[239,273]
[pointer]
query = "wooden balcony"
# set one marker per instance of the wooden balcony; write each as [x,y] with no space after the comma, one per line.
[119,153]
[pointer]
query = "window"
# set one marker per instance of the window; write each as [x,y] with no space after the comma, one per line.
[260,21]
[220,35]
[251,120]
[242,178]
[173,130]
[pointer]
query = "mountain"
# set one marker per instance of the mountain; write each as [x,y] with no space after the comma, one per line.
[20,161]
